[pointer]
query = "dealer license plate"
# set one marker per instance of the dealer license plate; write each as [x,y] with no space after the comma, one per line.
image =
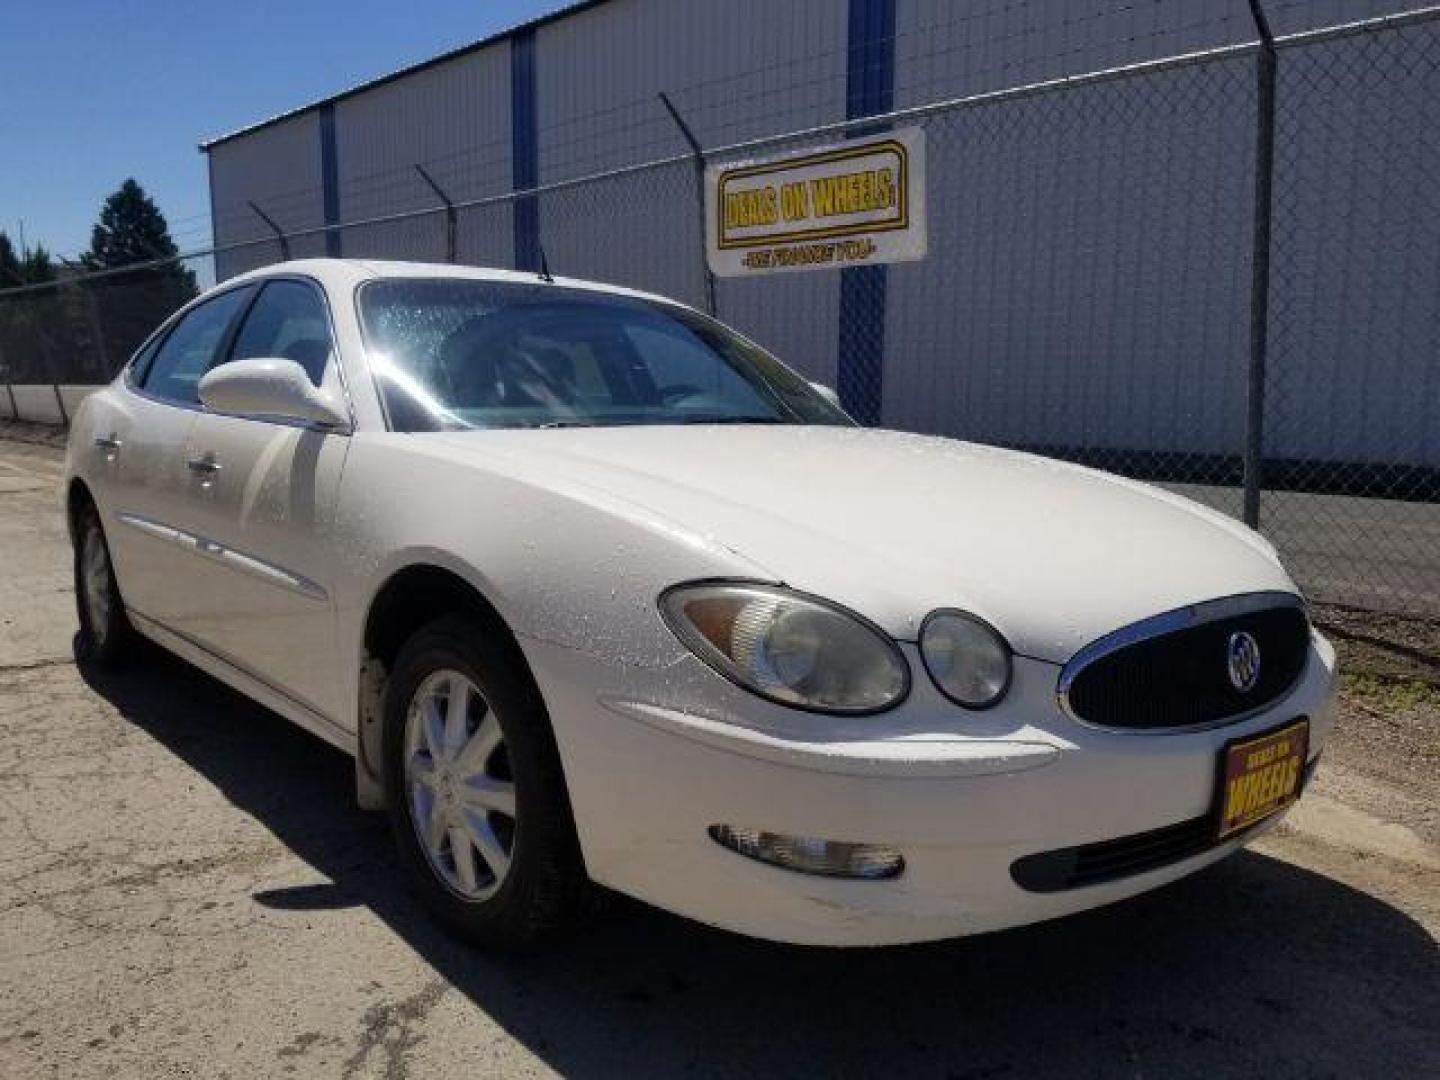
[1261,775]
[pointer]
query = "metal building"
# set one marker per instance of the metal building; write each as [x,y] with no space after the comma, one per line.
[1089,289]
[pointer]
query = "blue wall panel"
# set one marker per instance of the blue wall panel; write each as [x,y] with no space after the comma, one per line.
[330,179]
[524,149]
[869,89]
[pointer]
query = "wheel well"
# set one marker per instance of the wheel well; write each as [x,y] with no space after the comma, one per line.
[411,598]
[77,499]
[418,595]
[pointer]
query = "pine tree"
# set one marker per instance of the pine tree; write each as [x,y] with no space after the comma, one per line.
[33,267]
[37,268]
[10,309]
[28,331]
[131,231]
[9,264]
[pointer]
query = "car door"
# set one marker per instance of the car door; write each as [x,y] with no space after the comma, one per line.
[262,498]
[140,446]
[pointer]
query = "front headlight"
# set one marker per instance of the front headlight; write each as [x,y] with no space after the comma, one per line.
[966,657]
[791,648]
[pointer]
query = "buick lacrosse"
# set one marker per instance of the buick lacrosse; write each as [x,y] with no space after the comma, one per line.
[595,590]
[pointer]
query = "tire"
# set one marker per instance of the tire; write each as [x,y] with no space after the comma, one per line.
[451,787]
[106,636]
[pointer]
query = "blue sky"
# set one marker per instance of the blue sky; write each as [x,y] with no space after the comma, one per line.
[91,93]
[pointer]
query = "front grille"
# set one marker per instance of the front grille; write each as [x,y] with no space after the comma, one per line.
[1180,677]
[1110,860]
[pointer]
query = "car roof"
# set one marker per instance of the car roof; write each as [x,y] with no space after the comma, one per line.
[342,273]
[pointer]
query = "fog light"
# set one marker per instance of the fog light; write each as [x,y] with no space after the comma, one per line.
[831,858]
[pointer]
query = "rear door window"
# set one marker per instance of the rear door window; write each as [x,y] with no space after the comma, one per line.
[191,347]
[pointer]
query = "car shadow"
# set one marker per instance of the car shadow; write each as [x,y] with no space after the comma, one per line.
[1253,967]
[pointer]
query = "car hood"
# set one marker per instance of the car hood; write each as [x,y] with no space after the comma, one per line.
[895,525]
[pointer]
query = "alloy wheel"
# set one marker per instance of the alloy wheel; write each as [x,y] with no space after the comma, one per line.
[95,582]
[458,782]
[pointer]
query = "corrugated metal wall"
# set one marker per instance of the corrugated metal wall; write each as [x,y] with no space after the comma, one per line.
[1356,326]
[454,119]
[278,169]
[1089,274]
[736,71]
[1096,240]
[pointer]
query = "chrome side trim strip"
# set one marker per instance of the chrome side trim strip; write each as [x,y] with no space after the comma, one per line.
[1168,622]
[228,556]
[153,528]
[276,575]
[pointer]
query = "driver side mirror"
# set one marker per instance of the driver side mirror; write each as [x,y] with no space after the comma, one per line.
[270,386]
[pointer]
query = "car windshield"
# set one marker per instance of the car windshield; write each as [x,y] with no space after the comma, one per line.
[454,354]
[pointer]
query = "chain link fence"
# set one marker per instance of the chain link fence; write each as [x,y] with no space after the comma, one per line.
[1090,291]
[1352,395]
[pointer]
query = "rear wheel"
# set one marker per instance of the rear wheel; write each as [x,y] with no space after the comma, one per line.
[105,632]
[476,794]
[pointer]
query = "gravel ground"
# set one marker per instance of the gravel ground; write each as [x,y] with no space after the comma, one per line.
[186,889]
[1389,734]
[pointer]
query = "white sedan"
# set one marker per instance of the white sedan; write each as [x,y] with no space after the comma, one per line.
[597,591]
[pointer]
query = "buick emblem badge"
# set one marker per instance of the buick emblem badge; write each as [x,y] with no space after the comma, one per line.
[1243,661]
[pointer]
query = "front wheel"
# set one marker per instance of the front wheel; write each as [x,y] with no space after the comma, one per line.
[105,632]
[475,790]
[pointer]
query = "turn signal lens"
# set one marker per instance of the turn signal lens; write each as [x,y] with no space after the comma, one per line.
[829,858]
[791,648]
[966,657]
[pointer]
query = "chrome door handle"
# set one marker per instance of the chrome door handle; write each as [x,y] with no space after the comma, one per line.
[205,466]
[109,443]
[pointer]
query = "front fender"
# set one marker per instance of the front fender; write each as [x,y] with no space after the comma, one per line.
[560,561]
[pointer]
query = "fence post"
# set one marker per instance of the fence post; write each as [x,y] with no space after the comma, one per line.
[449,212]
[279,234]
[1265,70]
[699,156]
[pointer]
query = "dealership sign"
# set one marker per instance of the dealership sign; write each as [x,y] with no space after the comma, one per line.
[860,202]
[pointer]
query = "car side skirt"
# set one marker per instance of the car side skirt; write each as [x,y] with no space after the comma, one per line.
[247,684]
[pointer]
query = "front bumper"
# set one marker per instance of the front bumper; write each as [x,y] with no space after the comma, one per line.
[654,758]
